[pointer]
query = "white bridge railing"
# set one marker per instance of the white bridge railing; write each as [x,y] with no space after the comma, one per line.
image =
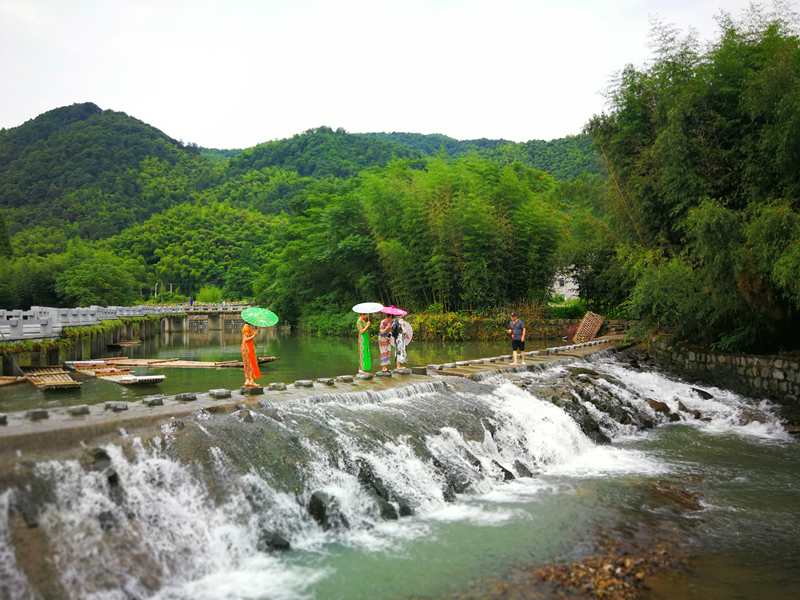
[41,322]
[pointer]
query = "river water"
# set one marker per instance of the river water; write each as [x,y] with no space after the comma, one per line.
[301,357]
[495,478]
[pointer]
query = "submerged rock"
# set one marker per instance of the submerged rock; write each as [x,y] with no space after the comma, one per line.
[702,393]
[325,510]
[270,540]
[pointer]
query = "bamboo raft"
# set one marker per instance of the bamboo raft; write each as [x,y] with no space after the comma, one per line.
[177,363]
[123,379]
[11,380]
[51,378]
[125,344]
[156,363]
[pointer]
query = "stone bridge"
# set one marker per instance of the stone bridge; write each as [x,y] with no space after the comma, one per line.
[44,322]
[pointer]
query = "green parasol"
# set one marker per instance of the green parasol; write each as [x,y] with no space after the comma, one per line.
[260,317]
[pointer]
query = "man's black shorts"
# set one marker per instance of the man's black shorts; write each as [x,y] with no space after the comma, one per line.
[517,345]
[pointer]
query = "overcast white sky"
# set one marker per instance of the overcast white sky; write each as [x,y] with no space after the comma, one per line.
[235,73]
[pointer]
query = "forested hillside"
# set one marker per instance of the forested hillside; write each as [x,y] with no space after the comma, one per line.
[317,220]
[565,158]
[703,144]
[321,152]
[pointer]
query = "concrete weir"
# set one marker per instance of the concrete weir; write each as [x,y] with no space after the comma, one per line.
[64,429]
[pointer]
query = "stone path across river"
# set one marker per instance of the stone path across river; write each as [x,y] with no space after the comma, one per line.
[39,432]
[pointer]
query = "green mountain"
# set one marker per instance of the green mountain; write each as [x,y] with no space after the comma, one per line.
[283,221]
[321,152]
[97,170]
[564,158]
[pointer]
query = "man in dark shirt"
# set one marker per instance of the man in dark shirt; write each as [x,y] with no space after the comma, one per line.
[517,330]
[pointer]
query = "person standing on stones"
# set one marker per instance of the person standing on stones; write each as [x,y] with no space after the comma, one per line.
[400,338]
[384,333]
[249,360]
[364,357]
[517,330]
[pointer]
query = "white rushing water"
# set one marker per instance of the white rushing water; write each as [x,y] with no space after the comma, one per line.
[156,529]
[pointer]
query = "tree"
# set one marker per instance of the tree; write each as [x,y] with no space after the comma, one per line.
[5,238]
[98,279]
[702,147]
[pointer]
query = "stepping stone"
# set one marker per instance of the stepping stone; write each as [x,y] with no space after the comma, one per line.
[403,371]
[252,391]
[462,363]
[493,359]
[506,357]
[3,419]
[476,362]
[449,365]
[219,394]
[419,370]
[435,367]
[364,376]
[278,386]
[81,409]
[304,383]
[38,413]
[345,378]
[186,397]
[383,374]
[117,406]
[154,400]
[325,380]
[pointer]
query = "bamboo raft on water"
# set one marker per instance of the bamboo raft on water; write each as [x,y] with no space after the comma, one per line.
[11,380]
[128,379]
[124,344]
[155,363]
[51,378]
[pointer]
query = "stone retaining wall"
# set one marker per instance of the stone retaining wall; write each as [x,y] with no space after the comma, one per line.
[749,375]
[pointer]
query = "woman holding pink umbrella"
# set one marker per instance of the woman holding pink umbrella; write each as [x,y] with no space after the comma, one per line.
[400,334]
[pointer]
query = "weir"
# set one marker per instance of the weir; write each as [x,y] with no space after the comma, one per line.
[315,492]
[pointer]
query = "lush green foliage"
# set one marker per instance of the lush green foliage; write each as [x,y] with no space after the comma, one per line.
[103,208]
[320,152]
[703,146]
[465,234]
[565,158]
[5,238]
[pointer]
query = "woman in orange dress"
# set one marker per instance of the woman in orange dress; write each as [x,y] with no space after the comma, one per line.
[251,371]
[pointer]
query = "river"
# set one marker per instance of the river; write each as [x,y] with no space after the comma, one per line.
[452,489]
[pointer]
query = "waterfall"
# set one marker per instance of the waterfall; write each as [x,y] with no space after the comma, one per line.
[201,510]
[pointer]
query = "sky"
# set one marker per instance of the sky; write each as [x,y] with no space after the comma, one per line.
[236,73]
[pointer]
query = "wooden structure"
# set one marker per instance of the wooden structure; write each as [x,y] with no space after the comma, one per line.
[128,379]
[588,328]
[11,380]
[125,344]
[51,378]
[156,363]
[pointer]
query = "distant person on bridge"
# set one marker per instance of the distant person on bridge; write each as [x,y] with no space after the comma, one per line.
[251,370]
